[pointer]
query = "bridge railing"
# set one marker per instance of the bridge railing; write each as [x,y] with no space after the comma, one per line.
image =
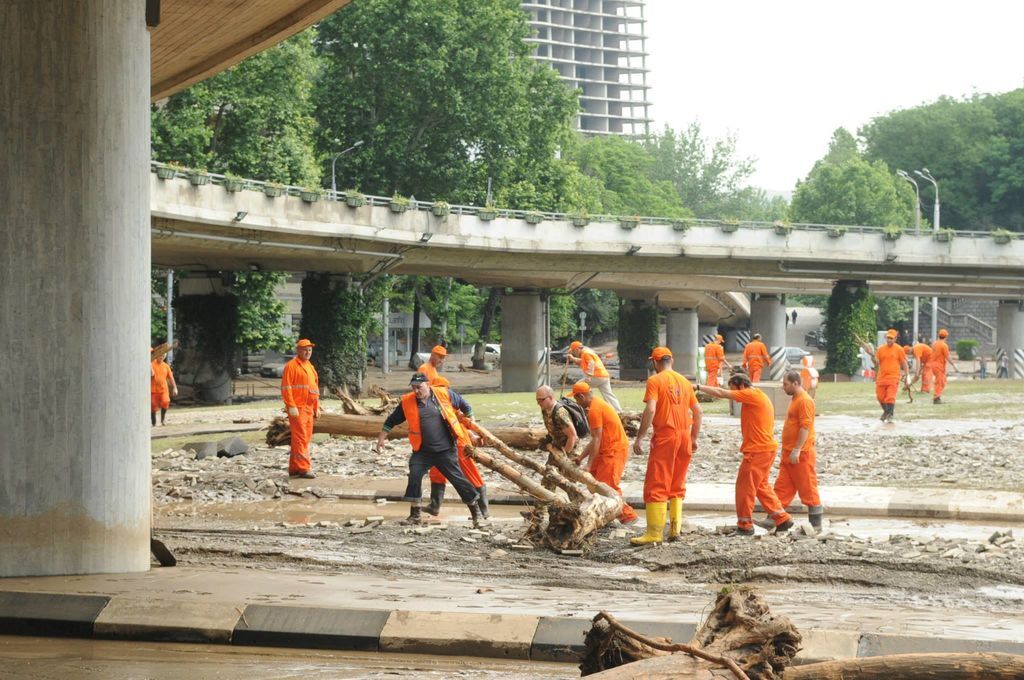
[170,171]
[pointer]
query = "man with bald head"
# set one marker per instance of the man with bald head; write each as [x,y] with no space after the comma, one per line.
[557,421]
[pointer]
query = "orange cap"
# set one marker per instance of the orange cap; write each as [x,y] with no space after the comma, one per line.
[439,350]
[660,353]
[807,360]
[943,333]
[580,388]
[304,343]
[440,381]
[892,333]
[719,338]
[575,344]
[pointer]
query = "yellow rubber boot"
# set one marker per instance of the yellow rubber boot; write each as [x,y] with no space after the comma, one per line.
[675,518]
[655,524]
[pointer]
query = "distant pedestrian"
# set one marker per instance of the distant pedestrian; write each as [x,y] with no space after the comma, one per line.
[982,366]
[794,316]
[161,386]
[1003,366]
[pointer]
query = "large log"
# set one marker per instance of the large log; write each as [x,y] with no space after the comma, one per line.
[279,433]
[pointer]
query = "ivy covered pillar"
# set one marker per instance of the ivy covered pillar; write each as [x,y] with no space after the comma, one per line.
[207,326]
[522,341]
[336,317]
[638,335]
[768,317]
[850,313]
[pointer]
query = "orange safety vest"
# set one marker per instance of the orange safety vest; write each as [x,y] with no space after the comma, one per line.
[300,384]
[412,416]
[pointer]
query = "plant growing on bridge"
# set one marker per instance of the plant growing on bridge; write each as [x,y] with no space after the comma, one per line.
[892,232]
[1002,235]
[681,225]
[311,194]
[198,177]
[579,219]
[729,226]
[167,171]
[782,227]
[533,217]
[273,189]
[233,183]
[440,209]
[944,235]
[629,222]
[836,231]
[354,199]
[399,204]
[487,213]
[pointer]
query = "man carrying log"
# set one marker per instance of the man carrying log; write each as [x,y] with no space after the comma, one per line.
[438,481]
[673,410]
[757,424]
[433,365]
[161,386]
[300,390]
[435,434]
[594,371]
[609,445]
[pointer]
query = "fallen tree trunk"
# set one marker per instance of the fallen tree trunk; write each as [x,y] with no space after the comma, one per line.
[977,666]
[279,432]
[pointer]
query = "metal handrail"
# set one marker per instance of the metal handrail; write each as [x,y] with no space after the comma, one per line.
[383,201]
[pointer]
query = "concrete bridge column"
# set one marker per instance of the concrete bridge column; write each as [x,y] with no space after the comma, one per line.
[74,287]
[1010,336]
[705,330]
[522,341]
[682,338]
[768,317]
[638,335]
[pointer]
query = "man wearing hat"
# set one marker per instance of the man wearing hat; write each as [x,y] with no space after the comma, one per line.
[755,358]
[891,371]
[714,357]
[435,434]
[300,390]
[673,410]
[938,362]
[594,372]
[161,386]
[433,365]
[609,445]
[922,352]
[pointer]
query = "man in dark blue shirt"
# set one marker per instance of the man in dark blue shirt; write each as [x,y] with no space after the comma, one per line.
[434,432]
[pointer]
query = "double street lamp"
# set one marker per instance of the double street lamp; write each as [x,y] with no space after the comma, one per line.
[334,186]
[925,174]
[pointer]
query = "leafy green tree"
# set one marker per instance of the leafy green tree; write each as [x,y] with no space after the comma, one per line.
[844,188]
[444,96]
[892,311]
[850,313]
[260,312]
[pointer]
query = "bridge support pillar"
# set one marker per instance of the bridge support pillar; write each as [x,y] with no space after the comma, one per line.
[638,335]
[1010,336]
[682,338]
[706,331]
[74,287]
[522,341]
[768,317]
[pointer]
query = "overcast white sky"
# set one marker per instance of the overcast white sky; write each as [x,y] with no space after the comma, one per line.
[782,76]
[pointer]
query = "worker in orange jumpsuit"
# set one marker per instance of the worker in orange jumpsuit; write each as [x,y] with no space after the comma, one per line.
[432,366]
[797,465]
[808,375]
[609,446]
[594,372]
[714,357]
[300,390]
[673,411]
[437,480]
[922,357]
[757,425]
[891,372]
[161,387]
[755,358]
[938,362]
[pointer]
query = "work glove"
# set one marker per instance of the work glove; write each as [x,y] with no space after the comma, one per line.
[293,411]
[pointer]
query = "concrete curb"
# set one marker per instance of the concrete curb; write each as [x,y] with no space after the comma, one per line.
[516,636]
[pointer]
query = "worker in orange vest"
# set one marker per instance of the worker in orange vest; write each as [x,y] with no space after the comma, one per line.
[300,390]
[808,375]
[434,434]
[891,372]
[438,481]
[161,387]
[938,362]
[594,372]
[609,446]
[714,357]
[757,425]
[432,366]
[673,411]
[755,358]
[922,357]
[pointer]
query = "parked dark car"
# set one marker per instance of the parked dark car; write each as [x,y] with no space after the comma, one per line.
[815,338]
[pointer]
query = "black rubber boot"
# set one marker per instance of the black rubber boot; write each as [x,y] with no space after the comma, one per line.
[482,502]
[436,498]
[163,416]
[415,516]
[892,412]
[784,527]
[814,514]
[152,418]
[474,513]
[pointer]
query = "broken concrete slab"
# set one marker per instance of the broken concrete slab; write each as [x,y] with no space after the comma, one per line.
[202,450]
[231,447]
[559,638]
[168,620]
[310,627]
[491,635]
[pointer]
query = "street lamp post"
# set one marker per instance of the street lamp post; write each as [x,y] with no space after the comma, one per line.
[924,173]
[917,231]
[334,185]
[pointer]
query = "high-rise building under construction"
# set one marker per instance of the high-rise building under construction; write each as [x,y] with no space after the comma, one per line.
[599,48]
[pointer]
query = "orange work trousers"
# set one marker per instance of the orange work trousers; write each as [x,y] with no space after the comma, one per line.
[608,469]
[800,478]
[751,482]
[926,379]
[467,466]
[940,381]
[755,372]
[667,466]
[713,374]
[302,433]
[886,392]
[159,400]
